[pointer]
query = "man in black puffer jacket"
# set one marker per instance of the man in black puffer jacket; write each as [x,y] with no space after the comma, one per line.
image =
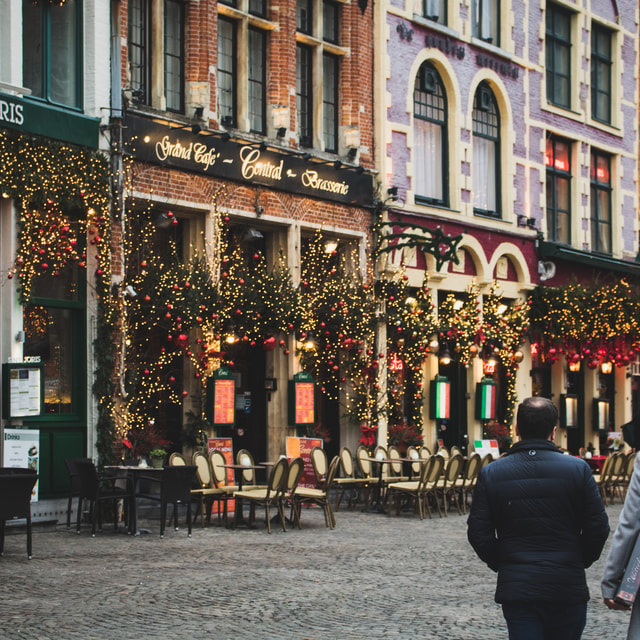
[537,519]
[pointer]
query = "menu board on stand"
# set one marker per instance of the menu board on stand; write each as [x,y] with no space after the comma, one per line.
[301,447]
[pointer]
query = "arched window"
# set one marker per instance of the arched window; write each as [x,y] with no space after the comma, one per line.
[486,153]
[430,137]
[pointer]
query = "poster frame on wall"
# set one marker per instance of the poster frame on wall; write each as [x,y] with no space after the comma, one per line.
[22,390]
[221,398]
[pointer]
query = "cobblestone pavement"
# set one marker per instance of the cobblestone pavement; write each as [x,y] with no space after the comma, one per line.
[374,576]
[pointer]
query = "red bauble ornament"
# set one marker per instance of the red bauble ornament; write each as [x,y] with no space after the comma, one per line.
[269,344]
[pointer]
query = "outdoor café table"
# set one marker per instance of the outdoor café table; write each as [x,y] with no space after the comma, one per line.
[134,474]
[377,502]
[595,462]
[240,481]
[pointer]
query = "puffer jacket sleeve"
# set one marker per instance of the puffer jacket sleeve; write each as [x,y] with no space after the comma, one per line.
[595,528]
[481,530]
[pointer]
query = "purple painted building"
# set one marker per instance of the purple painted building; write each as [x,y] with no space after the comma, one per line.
[515,125]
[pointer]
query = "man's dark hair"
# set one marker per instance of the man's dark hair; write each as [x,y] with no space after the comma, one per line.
[536,418]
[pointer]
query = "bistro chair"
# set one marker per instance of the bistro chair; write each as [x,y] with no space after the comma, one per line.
[430,488]
[319,497]
[206,492]
[414,467]
[424,452]
[245,458]
[16,486]
[395,468]
[294,473]
[175,489]
[271,495]
[411,489]
[220,478]
[446,486]
[320,465]
[348,480]
[97,488]
[74,484]
[366,471]
[177,459]
[466,483]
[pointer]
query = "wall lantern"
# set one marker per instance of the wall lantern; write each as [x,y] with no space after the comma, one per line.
[568,411]
[606,367]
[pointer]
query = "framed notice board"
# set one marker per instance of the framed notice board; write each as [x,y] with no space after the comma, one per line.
[221,398]
[302,399]
[22,390]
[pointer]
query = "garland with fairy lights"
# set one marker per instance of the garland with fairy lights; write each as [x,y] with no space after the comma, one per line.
[62,196]
[592,324]
[336,326]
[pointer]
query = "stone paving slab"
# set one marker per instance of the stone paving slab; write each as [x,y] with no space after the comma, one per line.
[373,577]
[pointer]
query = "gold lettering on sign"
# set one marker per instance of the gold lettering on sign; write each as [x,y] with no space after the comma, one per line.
[166,149]
[204,155]
[252,167]
[311,179]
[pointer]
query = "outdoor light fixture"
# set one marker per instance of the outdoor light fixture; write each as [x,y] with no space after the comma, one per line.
[231,337]
[444,357]
[309,343]
[606,367]
[352,153]
[330,246]
[198,112]
[337,164]
[282,132]
[196,129]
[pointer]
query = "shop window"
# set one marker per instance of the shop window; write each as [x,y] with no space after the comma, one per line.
[430,137]
[600,202]
[601,74]
[486,153]
[242,67]
[319,37]
[558,56]
[485,20]
[166,20]
[558,186]
[53,322]
[52,51]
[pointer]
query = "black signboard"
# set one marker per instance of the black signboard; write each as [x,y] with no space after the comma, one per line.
[207,153]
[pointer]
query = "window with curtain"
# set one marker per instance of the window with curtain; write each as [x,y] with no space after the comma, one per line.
[485,20]
[600,202]
[435,10]
[52,51]
[558,189]
[227,71]
[486,153]
[558,56]
[174,54]
[430,137]
[601,74]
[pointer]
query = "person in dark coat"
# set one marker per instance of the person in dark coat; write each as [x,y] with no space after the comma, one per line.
[538,520]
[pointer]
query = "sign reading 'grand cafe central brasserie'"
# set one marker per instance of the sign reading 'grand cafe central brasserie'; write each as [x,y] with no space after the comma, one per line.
[210,154]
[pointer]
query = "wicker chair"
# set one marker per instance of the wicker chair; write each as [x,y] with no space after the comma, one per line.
[349,481]
[319,497]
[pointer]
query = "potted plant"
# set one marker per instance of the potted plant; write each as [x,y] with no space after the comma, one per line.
[157,457]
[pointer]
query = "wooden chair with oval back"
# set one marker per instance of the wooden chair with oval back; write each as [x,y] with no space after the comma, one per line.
[269,496]
[466,482]
[206,492]
[446,488]
[320,497]
[224,490]
[177,460]
[294,473]
[414,467]
[365,468]
[320,464]
[430,489]
[349,481]
[245,458]
[404,491]
[395,469]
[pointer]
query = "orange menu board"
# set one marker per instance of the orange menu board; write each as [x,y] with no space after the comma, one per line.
[301,447]
[305,407]
[224,401]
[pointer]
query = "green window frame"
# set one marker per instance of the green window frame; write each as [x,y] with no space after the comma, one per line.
[174,55]
[601,65]
[558,56]
[558,189]
[52,51]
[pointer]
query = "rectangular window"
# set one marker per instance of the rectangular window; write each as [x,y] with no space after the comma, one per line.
[304,22]
[435,10]
[227,71]
[558,56]
[139,50]
[558,187]
[330,65]
[174,54]
[486,20]
[257,79]
[600,202]
[258,8]
[304,96]
[601,74]
[52,51]
[330,21]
